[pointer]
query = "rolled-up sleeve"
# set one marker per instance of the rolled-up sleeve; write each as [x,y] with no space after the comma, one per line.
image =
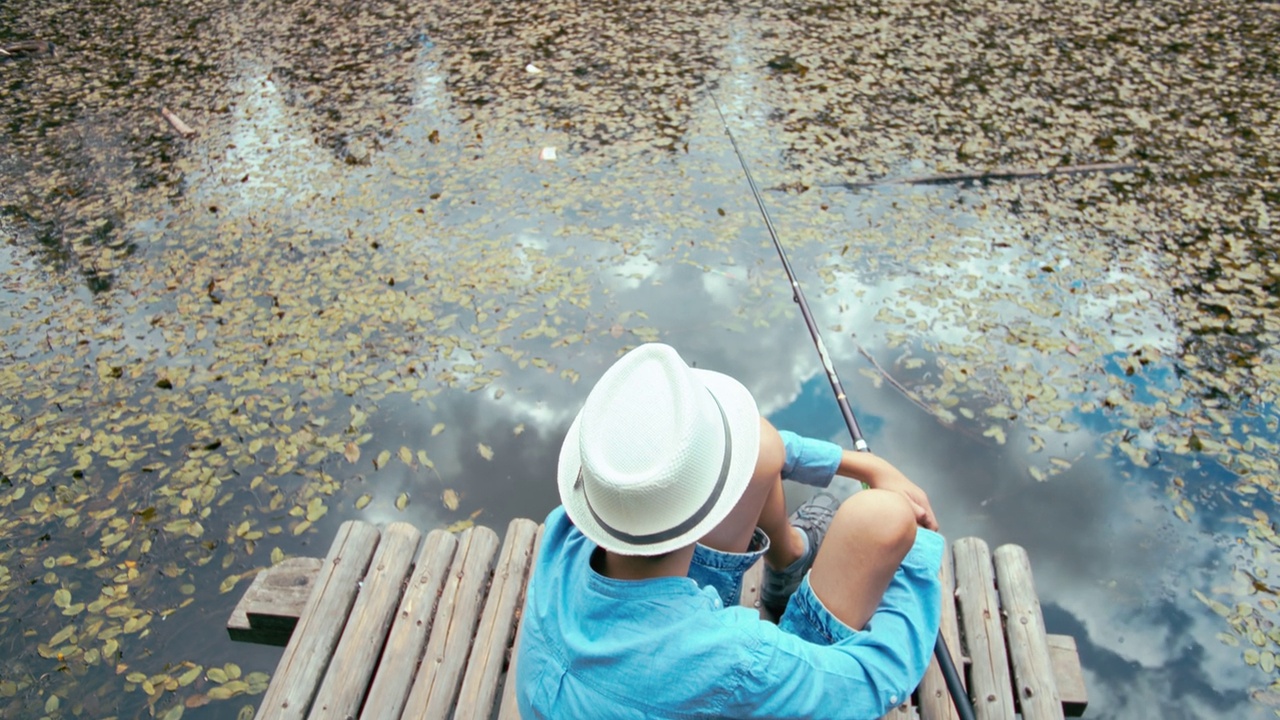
[864,674]
[810,461]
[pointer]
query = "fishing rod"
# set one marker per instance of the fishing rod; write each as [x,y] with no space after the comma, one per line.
[940,651]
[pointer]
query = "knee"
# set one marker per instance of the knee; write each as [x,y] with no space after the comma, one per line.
[877,520]
[772,456]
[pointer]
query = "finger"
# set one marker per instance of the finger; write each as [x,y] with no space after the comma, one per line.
[924,516]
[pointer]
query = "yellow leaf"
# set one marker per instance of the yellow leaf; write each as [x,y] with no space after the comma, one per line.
[486,452]
[189,676]
[351,452]
[402,501]
[381,461]
[450,499]
[460,525]
[406,456]
[62,635]
[363,501]
[437,429]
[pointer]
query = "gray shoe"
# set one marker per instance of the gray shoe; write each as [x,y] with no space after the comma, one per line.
[812,518]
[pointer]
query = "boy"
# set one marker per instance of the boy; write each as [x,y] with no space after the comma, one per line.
[671,485]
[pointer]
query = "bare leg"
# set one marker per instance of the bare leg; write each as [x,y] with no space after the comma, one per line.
[872,532]
[763,505]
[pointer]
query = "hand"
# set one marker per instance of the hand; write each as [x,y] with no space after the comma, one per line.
[878,473]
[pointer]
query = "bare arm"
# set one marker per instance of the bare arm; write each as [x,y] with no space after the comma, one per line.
[878,473]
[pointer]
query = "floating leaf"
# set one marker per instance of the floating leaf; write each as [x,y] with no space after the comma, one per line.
[450,499]
[402,501]
[217,675]
[351,452]
[62,635]
[382,459]
[485,451]
[437,429]
[190,676]
[363,501]
[406,456]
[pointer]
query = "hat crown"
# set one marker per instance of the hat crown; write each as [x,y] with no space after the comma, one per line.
[653,443]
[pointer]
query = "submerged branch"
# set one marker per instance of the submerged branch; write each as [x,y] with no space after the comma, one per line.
[997,174]
[27,47]
[897,385]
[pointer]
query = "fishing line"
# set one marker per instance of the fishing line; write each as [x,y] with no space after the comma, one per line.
[943,655]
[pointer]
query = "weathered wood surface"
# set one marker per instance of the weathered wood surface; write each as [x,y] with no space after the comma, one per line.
[1035,688]
[436,686]
[343,689]
[450,629]
[933,697]
[409,632]
[306,657]
[497,624]
[269,609]
[989,684]
[1068,674]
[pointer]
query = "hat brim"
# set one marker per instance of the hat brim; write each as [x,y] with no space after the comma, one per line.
[743,419]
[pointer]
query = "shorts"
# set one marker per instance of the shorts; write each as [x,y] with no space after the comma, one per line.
[805,617]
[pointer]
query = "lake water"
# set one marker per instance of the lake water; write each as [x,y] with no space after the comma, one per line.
[407,237]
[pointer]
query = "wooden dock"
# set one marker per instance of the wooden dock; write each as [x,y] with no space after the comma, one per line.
[393,625]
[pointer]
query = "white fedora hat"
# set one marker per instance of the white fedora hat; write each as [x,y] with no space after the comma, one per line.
[659,454]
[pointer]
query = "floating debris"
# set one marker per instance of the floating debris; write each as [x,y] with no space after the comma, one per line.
[182,128]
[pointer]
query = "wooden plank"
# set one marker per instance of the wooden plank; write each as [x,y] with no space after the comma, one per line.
[306,657]
[1035,689]
[989,683]
[269,609]
[344,686]
[933,695]
[408,636]
[1068,674]
[509,709]
[436,686]
[497,624]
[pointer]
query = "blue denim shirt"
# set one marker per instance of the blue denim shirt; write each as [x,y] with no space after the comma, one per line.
[599,648]
[809,461]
